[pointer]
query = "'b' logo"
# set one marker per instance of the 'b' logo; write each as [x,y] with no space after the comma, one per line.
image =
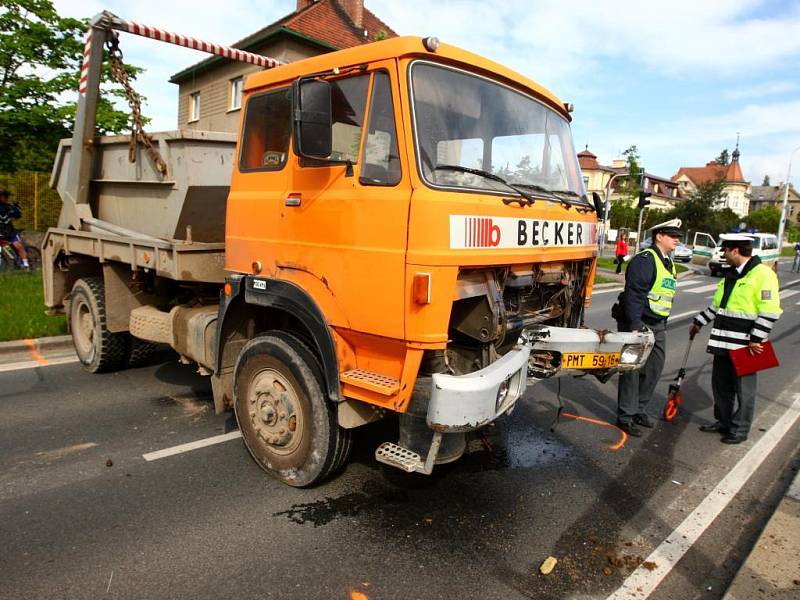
[480,232]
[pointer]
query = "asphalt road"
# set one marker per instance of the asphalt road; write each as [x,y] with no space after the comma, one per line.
[83,515]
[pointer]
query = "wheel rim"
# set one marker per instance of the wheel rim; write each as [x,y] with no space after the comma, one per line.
[83,327]
[273,411]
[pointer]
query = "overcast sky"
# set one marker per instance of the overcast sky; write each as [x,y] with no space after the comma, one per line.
[678,79]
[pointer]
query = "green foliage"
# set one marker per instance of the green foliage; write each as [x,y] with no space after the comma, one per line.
[654,216]
[630,186]
[766,180]
[765,219]
[724,220]
[380,35]
[724,157]
[22,307]
[40,59]
[698,211]
[623,214]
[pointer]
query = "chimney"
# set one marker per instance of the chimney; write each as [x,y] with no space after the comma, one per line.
[354,10]
[301,4]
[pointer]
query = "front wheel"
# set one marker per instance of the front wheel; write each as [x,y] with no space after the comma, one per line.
[288,425]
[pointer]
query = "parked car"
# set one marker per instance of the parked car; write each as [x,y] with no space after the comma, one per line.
[682,253]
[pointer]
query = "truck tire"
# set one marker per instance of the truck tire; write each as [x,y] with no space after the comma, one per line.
[97,348]
[288,425]
[139,352]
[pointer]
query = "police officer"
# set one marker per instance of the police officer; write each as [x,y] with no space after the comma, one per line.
[650,284]
[744,309]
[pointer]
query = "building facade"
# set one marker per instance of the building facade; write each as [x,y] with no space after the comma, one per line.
[210,92]
[735,191]
[772,195]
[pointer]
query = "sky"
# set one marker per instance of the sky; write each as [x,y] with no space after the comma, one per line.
[678,79]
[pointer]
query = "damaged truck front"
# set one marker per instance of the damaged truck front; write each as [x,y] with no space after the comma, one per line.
[405,232]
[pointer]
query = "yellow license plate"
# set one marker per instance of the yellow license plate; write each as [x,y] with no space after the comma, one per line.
[589,360]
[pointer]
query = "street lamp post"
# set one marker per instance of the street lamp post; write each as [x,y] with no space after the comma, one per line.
[782,226]
[604,234]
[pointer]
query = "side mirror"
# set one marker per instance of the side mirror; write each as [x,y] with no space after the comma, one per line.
[313,119]
[599,206]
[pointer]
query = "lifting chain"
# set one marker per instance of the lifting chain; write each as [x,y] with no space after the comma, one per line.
[138,134]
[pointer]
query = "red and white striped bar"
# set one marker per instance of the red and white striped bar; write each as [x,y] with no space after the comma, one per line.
[87,50]
[190,42]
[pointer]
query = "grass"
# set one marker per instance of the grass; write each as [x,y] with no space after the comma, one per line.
[22,308]
[601,279]
[788,252]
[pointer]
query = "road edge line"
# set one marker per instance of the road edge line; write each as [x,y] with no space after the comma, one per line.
[188,447]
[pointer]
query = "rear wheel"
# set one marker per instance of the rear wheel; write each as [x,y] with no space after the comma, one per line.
[97,348]
[139,352]
[287,423]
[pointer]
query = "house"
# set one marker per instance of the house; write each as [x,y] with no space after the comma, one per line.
[596,177]
[735,192]
[210,92]
[772,195]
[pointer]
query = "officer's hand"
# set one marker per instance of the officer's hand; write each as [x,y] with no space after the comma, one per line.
[694,329]
[755,348]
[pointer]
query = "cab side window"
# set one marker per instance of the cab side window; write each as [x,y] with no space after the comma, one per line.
[349,100]
[266,132]
[381,160]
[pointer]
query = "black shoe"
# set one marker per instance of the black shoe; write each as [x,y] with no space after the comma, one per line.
[734,439]
[629,428]
[644,421]
[714,428]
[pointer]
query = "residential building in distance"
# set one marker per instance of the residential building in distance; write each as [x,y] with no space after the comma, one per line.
[735,191]
[665,192]
[772,195]
[210,92]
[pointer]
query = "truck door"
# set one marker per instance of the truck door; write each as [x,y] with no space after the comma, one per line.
[347,225]
[703,248]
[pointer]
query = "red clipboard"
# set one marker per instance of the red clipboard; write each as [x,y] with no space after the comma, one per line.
[746,363]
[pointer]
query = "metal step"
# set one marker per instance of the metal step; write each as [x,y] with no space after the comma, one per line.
[407,460]
[369,380]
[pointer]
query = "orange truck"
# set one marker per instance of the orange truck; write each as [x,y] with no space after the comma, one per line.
[398,229]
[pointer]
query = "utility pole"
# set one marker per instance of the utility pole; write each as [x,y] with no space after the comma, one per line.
[782,226]
[643,202]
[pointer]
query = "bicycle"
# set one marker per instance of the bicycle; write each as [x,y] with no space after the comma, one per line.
[10,260]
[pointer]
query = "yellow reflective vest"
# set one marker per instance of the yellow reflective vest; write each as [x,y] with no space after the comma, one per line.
[744,308]
[662,291]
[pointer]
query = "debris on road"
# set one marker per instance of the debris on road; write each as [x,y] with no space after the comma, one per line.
[109,463]
[548,565]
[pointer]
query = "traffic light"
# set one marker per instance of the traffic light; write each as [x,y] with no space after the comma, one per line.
[644,199]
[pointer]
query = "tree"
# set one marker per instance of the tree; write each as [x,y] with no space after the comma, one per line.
[723,158]
[630,186]
[765,219]
[698,211]
[40,59]
[766,180]
[623,214]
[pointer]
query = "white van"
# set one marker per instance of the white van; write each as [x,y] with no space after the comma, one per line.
[708,252]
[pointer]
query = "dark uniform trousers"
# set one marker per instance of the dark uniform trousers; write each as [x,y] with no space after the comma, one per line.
[727,388]
[636,387]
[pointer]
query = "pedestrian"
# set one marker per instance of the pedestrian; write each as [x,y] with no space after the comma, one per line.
[796,263]
[650,284]
[744,309]
[621,251]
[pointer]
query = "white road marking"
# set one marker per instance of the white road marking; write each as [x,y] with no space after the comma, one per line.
[606,290]
[686,314]
[32,364]
[705,288]
[788,293]
[641,583]
[217,439]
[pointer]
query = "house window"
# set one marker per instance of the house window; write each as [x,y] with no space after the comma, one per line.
[194,106]
[237,85]
[586,182]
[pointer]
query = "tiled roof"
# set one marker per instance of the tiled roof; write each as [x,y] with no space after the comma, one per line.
[323,23]
[587,160]
[771,193]
[712,172]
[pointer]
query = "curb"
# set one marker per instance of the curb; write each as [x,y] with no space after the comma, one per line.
[770,568]
[58,342]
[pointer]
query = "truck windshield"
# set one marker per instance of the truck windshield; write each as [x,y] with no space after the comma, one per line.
[469,121]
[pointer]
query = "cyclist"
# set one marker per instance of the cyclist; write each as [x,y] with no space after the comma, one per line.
[9,212]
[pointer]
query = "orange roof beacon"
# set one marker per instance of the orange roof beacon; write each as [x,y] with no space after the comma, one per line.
[399,227]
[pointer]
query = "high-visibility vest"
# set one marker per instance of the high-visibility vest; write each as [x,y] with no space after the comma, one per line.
[663,290]
[749,314]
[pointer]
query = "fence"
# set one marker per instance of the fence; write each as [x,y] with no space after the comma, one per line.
[40,203]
